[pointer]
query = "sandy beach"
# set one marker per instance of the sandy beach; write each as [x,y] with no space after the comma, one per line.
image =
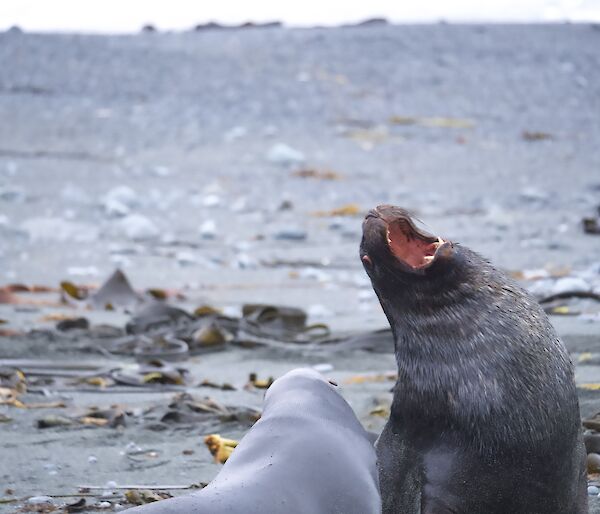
[233,166]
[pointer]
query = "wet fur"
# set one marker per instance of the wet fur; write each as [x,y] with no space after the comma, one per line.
[485,416]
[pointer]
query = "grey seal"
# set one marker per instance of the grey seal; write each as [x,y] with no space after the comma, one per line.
[308,454]
[485,415]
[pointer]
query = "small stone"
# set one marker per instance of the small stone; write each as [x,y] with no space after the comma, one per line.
[211,200]
[82,271]
[186,258]
[92,459]
[208,229]
[319,311]
[313,273]
[593,490]
[592,443]
[593,463]
[71,324]
[567,284]
[111,484]
[104,505]
[290,234]
[234,134]
[119,201]
[12,194]
[37,500]
[533,194]
[161,171]
[138,227]
[244,261]
[280,153]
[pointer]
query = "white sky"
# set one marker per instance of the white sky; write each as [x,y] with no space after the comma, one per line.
[130,15]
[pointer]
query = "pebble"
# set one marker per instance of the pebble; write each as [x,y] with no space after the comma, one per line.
[291,234]
[313,273]
[319,311]
[83,271]
[323,368]
[137,227]
[565,284]
[37,500]
[234,134]
[211,201]
[592,443]
[185,258]
[12,194]
[104,505]
[593,463]
[208,229]
[593,490]
[280,153]
[161,171]
[119,201]
[92,459]
[533,194]
[244,261]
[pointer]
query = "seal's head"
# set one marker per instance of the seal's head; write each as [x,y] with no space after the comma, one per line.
[392,244]
[410,269]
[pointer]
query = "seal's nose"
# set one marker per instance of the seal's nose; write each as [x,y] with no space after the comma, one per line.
[373,213]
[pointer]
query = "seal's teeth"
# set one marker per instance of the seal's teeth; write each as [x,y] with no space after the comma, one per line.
[428,259]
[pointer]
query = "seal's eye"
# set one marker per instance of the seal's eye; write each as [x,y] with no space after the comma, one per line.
[367,261]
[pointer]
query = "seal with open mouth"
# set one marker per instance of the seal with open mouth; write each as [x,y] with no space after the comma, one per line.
[485,416]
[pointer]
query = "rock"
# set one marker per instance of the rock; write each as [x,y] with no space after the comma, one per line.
[137,227]
[211,200]
[280,153]
[185,258]
[592,443]
[593,490]
[82,271]
[323,368]
[38,500]
[208,229]
[12,194]
[319,311]
[161,171]
[71,324]
[533,194]
[92,459]
[313,273]
[566,284]
[119,201]
[593,463]
[234,134]
[290,234]
[244,261]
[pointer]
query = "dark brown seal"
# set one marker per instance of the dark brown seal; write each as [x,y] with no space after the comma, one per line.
[485,416]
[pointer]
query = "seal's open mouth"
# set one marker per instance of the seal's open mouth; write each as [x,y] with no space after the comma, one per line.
[410,245]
